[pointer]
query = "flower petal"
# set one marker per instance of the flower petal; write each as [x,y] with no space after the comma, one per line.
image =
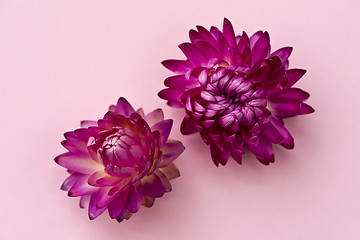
[94,212]
[293,75]
[165,182]
[288,140]
[172,95]
[116,206]
[81,187]
[294,93]
[134,200]
[82,163]
[261,48]
[154,117]
[87,123]
[170,171]
[84,201]
[177,66]
[219,156]
[70,181]
[123,107]
[102,179]
[229,33]
[262,149]
[164,127]
[194,55]
[282,53]
[170,151]
[187,127]
[271,132]
[148,202]
[152,186]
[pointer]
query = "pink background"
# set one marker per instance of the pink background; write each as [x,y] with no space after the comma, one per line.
[64,61]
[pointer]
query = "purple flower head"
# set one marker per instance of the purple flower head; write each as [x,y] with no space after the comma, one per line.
[120,162]
[235,93]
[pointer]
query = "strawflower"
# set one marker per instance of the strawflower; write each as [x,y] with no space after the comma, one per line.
[121,161]
[235,92]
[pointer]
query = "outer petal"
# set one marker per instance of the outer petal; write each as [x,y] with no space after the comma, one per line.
[219,156]
[81,163]
[229,33]
[154,117]
[262,149]
[123,107]
[70,181]
[81,187]
[293,75]
[134,200]
[177,66]
[116,206]
[194,54]
[94,212]
[164,127]
[152,186]
[282,53]
[261,48]
[188,127]
[170,171]
[170,151]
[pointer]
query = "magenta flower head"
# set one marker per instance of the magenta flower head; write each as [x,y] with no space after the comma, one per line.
[120,162]
[235,93]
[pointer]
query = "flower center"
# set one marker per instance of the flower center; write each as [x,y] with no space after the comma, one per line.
[123,155]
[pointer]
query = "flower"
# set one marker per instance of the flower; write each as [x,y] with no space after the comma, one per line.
[120,162]
[235,93]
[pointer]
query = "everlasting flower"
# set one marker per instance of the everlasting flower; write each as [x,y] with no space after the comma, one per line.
[120,162]
[235,93]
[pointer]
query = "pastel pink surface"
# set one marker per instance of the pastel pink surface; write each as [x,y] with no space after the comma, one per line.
[66,61]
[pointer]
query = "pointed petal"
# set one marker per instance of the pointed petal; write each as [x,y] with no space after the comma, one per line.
[195,56]
[229,33]
[88,123]
[206,35]
[116,206]
[288,140]
[102,179]
[152,186]
[261,48]
[294,93]
[170,151]
[164,127]
[219,156]
[170,171]
[81,187]
[123,107]
[165,182]
[305,109]
[271,132]
[193,35]
[282,53]
[254,38]
[134,200]
[188,127]
[180,82]
[262,149]
[172,95]
[82,163]
[94,212]
[285,106]
[148,202]
[154,117]
[84,201]
[293,75]
[177,66]
[70,181]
